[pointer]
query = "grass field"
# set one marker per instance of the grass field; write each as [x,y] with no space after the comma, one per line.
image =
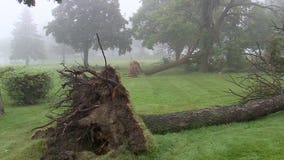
[171,91]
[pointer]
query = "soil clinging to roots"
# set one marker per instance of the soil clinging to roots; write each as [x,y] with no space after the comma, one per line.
[100,117]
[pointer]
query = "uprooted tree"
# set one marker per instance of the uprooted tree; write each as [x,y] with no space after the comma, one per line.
[188,58]
[99,118]
[134,69]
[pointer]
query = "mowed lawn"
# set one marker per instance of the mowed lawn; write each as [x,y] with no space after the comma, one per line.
[166,92]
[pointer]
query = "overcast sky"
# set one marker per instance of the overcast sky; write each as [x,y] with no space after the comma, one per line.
[10,12]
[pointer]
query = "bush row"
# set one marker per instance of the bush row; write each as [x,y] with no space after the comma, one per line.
[26,87]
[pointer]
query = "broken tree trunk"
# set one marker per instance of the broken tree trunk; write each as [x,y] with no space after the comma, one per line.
[175,122]
[100,117]
[189,57]
[167,66]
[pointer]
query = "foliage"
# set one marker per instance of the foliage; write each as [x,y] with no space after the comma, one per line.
[161,22]
[33,2]
[26,43]
[27,88]
[62,50]
[217,23]
[267,80]
[77,22]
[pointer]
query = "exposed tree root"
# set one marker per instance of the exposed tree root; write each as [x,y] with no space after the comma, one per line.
[100,117]
[134,69]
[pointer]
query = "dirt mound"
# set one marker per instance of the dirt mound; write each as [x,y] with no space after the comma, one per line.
[100,117]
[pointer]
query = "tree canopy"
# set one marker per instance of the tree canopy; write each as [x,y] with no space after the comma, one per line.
[158,22]
[179,23]
[77,22]
[33,2]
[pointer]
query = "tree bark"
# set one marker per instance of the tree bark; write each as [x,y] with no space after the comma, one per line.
[86,57]
[178,54]
[175,122]
[189,57]
[207,30]
[167,66]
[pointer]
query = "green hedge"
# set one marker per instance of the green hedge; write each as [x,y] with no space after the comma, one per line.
[27,88]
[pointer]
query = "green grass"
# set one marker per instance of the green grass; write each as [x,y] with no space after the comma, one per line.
[15,132]
[166,92]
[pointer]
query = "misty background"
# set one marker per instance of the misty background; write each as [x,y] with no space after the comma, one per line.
[42,14]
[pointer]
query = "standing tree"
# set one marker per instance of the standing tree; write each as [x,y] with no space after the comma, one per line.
[62,50]
[158,22]
[174,21]
[77,22]
[214,17]
[27,44]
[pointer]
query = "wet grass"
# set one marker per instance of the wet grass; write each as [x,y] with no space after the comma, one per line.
[166,92]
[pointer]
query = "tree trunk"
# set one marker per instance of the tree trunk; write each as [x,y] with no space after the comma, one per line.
[207,29]
[167,66]
[178,54]
[86,57]
[189,57]
[175,122]
[1,106]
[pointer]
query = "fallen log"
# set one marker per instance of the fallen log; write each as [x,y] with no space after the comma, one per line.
[174,122]
[163,67]
[189,57]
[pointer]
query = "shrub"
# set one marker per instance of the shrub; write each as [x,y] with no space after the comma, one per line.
[27,88]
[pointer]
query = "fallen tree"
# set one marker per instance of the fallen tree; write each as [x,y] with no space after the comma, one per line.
[174,122]
[163,67]
[134,69]
[99,117]
[189,57]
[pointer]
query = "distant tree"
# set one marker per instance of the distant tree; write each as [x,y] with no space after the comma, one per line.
[26,44]
[63,50]
[32,2]
[77,22]
[158,22]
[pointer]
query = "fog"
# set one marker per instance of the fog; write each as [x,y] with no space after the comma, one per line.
[42,13]
[165,30]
